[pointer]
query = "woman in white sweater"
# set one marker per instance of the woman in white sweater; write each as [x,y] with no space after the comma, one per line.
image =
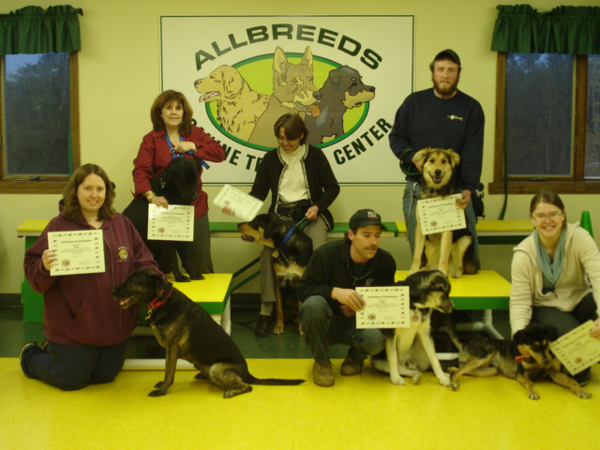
[555,273]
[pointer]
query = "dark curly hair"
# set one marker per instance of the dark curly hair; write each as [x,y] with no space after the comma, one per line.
[164,99]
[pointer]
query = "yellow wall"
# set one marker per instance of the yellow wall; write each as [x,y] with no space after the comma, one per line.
[119,69]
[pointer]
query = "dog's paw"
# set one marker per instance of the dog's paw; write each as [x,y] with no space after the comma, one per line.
[533,395]
[397,380]
[182,279]
[156,393]
[200,376]
[456,273]
[454,386]
[582,393]
[278,328]
[196,276]
[159,384]
[417,377]
[452,369]
[444,379]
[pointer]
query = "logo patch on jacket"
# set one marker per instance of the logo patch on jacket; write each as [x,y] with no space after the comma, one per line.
[123,253]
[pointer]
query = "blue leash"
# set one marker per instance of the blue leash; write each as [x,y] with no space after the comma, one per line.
[174,154]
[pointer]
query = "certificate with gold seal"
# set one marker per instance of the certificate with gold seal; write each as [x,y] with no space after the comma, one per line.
[440,214]
[386,307]
[577,350]
[175,223]
[76,252]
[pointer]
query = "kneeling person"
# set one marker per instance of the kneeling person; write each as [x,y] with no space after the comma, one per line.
[330,302]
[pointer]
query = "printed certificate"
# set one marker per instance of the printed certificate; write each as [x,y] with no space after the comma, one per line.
[386,307]
[173,224]
[577,350]
[243,205]
[440,214]
[76,252]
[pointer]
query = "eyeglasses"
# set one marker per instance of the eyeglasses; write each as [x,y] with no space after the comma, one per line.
[552,216]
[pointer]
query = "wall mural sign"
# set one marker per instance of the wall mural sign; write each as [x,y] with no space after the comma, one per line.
[345,75]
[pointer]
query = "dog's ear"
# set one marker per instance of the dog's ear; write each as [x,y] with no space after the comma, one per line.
[421,155]
[518,336]
[454,157]
[271,226]
[307,58]
[552,332]
[232,81]
[335,76]
[280,64]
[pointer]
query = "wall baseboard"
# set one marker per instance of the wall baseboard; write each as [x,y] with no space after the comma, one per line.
[10,299]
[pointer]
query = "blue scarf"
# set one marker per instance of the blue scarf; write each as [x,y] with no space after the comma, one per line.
[550,269]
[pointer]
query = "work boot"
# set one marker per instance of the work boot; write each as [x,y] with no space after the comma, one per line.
[323,374]
[351,367]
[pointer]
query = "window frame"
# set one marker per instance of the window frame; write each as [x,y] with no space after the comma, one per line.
[574,184]
[50,184]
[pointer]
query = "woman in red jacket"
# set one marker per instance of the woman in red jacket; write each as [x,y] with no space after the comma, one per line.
[174,136]
[86,330]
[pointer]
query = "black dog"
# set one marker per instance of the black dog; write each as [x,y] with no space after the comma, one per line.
[177,183]
[187,331]
[293,249]
[526,358]
[410,351]
[342,90]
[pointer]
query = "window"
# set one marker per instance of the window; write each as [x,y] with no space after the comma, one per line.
[547,123]
[39,122]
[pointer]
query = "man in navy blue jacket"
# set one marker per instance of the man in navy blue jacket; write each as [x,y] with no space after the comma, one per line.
[440,117]
[330,301]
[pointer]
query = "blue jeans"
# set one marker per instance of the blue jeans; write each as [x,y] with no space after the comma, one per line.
[322,328]
[72,367]
[409,208]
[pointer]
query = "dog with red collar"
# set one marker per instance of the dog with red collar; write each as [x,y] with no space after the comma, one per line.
[526,358]
[188,332]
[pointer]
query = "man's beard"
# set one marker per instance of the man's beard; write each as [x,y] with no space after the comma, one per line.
[446,90]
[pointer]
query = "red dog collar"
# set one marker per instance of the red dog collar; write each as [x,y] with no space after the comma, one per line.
[156,303]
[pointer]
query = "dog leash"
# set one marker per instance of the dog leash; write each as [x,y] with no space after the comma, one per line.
[288,236]
[174,154]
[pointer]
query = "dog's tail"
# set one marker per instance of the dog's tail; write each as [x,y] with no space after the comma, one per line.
[273,381]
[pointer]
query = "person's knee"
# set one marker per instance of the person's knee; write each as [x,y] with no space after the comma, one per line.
[370,341]
[314,309]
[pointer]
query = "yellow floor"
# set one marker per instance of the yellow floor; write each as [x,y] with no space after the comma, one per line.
[362,412]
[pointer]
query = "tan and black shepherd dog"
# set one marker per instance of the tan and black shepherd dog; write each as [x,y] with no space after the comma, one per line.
[448,251]
[526,358]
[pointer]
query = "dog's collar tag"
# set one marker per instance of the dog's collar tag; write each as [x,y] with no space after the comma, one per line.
[276,254]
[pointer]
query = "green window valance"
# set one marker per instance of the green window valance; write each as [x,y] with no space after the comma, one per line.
[573,30]
[32,30]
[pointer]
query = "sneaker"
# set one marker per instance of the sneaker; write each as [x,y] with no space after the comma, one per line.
[24,347]
[44,345]
[351,367]
[323,374]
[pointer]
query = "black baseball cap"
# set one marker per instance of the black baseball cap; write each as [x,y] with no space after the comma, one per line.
[364,218]
[448,54]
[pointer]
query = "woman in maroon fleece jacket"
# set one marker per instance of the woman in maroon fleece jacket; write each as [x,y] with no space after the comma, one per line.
[85,329]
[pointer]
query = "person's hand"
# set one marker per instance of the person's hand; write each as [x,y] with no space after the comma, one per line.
[596,331]
[160,201]
[464,200]
[312,213]
[184,146]
[228,210]
[347,311]
[48,259]
[348,298]
[418,163]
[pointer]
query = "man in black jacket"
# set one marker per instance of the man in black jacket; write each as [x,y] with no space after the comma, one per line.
[330,302]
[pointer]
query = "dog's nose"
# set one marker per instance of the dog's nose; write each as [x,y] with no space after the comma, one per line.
[438,172]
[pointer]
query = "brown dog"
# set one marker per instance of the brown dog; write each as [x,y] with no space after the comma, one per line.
[187,331]
[448,251]
[290,257]
[526,358]
[238,106]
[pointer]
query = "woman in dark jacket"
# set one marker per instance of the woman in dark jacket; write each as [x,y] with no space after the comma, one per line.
[302,184]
